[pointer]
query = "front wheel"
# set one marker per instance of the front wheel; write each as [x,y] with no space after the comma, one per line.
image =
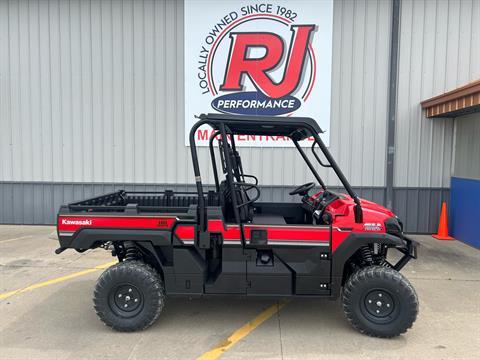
[379,301]
[129,296]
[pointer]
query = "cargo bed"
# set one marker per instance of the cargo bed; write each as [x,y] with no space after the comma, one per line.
[166,201]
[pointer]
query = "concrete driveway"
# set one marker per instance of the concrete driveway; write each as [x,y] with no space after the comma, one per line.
[46,312]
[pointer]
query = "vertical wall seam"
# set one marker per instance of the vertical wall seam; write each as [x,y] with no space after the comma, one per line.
[175,105]
[122,97]
[70,115]
[41,115]
[352,63]
[470,42]
[458,42]
[164,55]
[446,47]
[430,164]
[82,90]
[30,83]
[19,99]
[144,103]
[362,119]
[112,96]
[392,101]
[375,84]
[10,90]
[409,127]
[134,99]
[155,155]
[102,96]
[419,110]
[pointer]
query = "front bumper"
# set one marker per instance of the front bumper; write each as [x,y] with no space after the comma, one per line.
[409,252]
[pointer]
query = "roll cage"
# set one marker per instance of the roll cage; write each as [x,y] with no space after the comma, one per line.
[226,126]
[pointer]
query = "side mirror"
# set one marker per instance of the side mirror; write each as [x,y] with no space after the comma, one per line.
[358,213]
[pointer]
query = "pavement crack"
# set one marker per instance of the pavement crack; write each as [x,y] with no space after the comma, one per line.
[135,347]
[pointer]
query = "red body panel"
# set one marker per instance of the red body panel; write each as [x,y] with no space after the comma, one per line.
[185,232]
[341,210]
[72,223]
[292,233]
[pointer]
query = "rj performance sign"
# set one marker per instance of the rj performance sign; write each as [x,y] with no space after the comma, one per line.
[258,58]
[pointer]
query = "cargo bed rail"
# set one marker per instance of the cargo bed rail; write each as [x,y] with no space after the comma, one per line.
[146,201]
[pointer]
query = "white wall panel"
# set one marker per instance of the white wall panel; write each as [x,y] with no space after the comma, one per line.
[92,91]
[439,51]
[467,151]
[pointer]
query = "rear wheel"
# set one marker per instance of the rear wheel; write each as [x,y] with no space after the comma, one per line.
[129,296]
[379,301]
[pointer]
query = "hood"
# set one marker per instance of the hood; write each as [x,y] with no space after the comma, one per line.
[369,205]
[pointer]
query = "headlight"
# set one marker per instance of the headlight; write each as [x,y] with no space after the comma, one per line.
[394,226]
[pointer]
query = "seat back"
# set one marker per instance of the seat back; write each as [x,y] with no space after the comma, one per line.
[245,212]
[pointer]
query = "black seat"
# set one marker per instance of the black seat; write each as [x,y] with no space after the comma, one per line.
[245,212]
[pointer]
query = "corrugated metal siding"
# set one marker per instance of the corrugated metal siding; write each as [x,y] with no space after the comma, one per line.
[467,149]
[419,208]
[439,51]
[92,91]
[38,203]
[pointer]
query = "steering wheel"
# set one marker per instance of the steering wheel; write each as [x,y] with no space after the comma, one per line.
[302,189]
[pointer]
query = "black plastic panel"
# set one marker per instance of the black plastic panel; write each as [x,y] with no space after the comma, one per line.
[232,277]
[271,277]
[188,261]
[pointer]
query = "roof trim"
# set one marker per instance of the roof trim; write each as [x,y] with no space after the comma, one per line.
[463,100]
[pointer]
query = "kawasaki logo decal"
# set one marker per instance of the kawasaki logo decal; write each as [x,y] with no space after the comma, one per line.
[76,222]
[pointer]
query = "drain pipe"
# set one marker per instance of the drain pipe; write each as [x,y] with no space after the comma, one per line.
[392,101]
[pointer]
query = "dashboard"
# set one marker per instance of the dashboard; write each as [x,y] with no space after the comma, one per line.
[316,205]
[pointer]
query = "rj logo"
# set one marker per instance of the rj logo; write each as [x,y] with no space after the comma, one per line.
[257,69]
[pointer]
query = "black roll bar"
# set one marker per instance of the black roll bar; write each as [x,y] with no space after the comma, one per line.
[231,182]
[310,166]
[343,179]
[198,178]
[318,140]
[318,157]
[214,162]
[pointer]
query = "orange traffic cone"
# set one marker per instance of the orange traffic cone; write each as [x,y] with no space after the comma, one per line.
[442,233]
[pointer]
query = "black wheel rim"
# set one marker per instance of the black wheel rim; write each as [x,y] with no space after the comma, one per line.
[126,300]
[380,306]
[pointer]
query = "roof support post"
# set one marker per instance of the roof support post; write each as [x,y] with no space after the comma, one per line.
[230,176]
[198,178]
[309,164]
[392,101]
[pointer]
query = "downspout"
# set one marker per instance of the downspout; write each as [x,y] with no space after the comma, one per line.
[392,101]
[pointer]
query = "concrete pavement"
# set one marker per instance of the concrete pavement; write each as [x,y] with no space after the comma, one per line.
[57,321]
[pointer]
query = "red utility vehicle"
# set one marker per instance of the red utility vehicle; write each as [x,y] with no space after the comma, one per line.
[225,241]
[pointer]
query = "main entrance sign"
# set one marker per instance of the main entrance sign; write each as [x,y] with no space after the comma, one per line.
[256,58]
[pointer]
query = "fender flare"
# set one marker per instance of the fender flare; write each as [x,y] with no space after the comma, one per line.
[350,246]
[144,239]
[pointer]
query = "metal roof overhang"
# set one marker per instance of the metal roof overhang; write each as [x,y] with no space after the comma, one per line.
[461,101]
